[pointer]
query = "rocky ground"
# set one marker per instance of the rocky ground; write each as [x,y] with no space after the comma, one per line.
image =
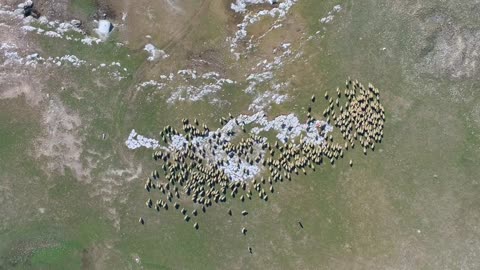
[79,113]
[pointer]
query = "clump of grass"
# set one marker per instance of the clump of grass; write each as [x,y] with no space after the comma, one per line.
[84,7]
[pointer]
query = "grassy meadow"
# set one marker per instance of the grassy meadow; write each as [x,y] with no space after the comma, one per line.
[413,203]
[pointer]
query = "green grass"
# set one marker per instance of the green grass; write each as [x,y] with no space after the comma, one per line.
[86,8]
[67,255]
[16,132]
[56,240]
[422,176]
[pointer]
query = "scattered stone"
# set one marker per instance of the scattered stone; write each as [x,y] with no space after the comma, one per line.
[104,29]
[154,52]
[76,23]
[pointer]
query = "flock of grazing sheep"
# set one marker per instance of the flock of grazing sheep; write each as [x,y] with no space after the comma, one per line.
[185,172]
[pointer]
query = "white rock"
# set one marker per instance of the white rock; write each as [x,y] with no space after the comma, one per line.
[104,29]
[76,23]
[154,52]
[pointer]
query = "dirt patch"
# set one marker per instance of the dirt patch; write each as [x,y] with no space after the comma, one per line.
[8,210]
[449,50]
[105,10]
[210,59]
[98,256]
[112,183]
[14,86]
[53,9]
[113,179]
[399,108]
[475,114]
[62,10]
[61,143]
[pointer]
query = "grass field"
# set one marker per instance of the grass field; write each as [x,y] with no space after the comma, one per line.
[413,203]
